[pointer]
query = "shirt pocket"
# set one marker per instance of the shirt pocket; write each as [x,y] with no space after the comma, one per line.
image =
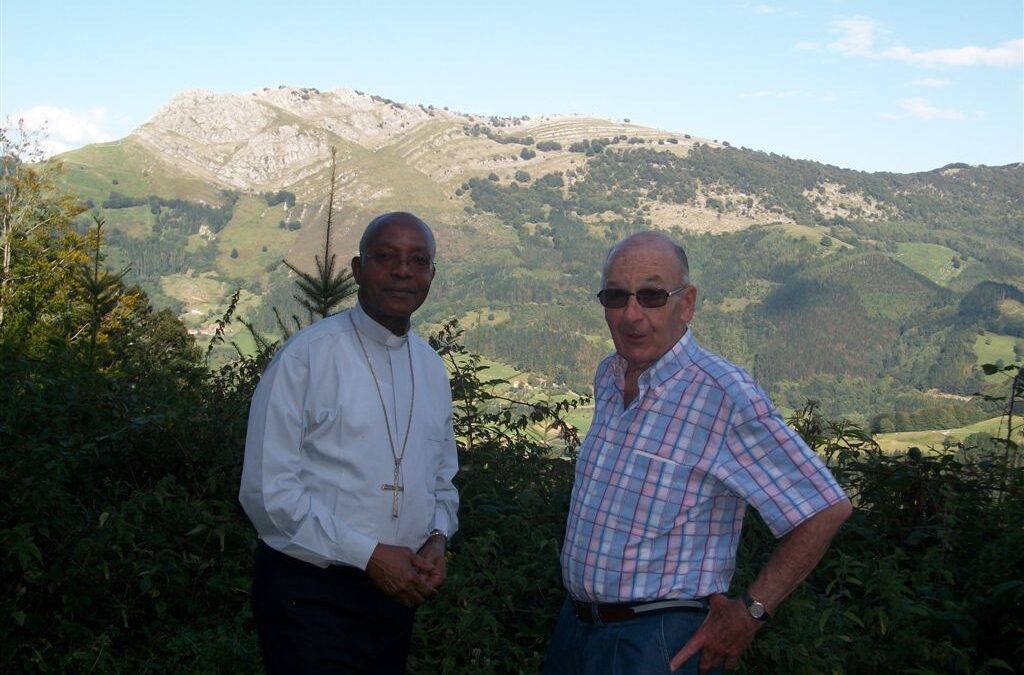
[651,494]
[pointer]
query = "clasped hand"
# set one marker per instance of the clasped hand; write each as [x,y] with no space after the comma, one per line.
[410,578]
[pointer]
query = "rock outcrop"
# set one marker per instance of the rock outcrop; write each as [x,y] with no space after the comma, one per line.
[271,138]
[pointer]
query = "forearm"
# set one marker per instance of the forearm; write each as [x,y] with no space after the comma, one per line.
[797,555]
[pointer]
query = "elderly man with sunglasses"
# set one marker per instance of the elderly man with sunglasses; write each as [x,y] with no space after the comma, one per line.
[682,440]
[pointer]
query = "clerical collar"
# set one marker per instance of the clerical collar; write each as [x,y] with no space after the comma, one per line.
[366,325]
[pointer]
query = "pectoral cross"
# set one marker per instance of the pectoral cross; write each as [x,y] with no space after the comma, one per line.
[395,488]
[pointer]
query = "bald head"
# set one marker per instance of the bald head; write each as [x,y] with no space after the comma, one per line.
[652,241]
[395,218]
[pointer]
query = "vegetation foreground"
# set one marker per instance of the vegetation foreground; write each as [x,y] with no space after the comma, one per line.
[124,549]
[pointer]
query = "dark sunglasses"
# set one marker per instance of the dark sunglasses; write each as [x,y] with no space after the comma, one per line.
[616,298]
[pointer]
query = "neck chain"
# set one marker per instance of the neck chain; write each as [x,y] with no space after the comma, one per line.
[396,486]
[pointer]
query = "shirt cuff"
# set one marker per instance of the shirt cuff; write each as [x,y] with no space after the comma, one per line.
[357,548]
[441,523]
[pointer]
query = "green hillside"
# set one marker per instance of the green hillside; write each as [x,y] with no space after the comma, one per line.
[934,261]
[807,273]
[902,441]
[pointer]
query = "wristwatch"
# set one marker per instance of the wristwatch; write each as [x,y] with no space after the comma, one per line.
[756,608]
[440,532]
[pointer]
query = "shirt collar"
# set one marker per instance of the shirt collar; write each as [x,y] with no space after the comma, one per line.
[366,325]
[670,363]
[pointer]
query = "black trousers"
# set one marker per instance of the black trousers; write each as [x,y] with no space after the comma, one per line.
[315,621]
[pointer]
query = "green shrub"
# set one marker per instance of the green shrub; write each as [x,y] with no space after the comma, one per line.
[124,550]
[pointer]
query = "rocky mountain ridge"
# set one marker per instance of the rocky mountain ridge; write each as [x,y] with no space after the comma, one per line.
[275,138]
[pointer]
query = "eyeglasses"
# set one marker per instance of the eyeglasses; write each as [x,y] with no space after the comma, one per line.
[417,262]
[616,298]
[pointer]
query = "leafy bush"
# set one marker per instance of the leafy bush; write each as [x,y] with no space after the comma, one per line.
[124,550]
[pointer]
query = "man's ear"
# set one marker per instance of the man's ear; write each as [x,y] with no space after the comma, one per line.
[689,303]
[357,269]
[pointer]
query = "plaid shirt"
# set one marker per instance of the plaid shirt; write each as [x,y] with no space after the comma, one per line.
[661,487]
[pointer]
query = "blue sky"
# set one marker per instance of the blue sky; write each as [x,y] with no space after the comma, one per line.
[877,86]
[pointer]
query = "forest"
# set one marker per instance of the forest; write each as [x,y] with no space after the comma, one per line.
[125,551]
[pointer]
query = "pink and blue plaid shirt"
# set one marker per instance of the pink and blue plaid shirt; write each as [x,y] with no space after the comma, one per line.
[661,487]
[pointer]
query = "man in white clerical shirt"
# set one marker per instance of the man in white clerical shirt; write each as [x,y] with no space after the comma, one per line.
[349,460]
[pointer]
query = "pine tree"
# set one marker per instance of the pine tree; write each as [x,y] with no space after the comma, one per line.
[322,292]
[100,288]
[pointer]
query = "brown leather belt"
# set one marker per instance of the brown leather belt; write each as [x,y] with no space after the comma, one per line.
[594,612]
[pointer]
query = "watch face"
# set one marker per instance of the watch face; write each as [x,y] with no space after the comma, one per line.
[757,609]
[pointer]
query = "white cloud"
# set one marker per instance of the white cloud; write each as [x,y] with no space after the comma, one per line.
[764,9]
[1007,55]
[62,129]
[858,35]
[923,110]
[933,82]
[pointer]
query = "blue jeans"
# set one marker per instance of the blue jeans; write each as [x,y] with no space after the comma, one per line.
[631,647]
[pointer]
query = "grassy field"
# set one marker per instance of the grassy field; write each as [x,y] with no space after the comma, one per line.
[205,299]
[123,166]
[136,221]
[900,441]
[812,233]
[1012,308]
[581,418]
[929,260]
[992,347]
[255,234]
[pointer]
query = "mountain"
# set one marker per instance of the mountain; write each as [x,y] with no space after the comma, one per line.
[808,273]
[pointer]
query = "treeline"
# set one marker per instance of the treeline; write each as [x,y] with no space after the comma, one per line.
[158,255]
[540,340]
[166,249]
[613,182]
[181,215]
[497,137]
[280,197]
[905,408]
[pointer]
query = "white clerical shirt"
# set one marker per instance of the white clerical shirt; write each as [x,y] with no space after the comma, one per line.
[317,453]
